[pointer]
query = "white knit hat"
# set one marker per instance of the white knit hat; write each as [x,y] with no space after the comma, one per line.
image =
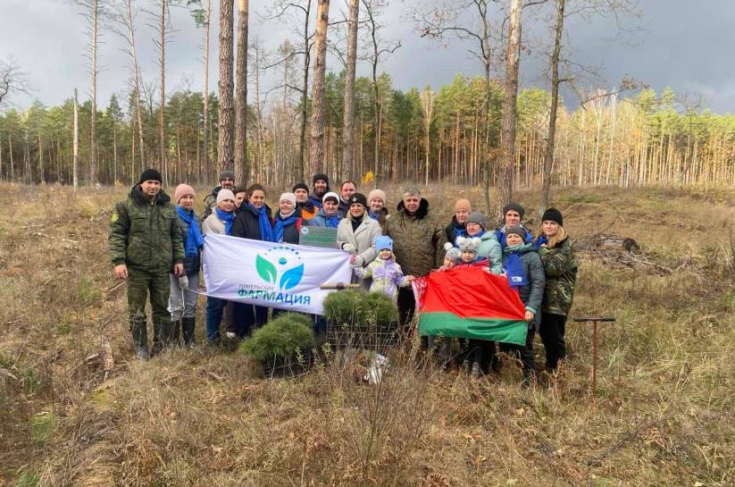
[289,197]
[225,194]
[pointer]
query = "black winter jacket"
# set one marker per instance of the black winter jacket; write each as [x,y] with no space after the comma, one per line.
[247,223]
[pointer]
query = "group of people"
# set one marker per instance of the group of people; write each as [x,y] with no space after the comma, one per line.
[156,245]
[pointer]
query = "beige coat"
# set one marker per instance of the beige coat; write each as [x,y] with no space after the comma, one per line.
[212,224]
[361,239]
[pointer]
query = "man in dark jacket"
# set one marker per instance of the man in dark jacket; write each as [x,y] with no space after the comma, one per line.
[145,246]
[226,181]
[418,244]
[347,189]
[321,187]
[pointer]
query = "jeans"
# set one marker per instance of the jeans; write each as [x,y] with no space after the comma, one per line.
[182,303]
[215,310]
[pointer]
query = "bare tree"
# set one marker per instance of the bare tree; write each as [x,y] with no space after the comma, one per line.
[125,16]
[318,87]
[348,131]
[377,50]
[12,80]
[75,164]
[93,11]
[508,130]
[162,27]
[241,95]
[202,14]
[279,12]
[225,88]
[469,21]
[427,107]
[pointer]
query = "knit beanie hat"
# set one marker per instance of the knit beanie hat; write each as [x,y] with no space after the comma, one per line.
[358,198]
[226,174]
[181,191]
[289,197]
[554,215]
[150,175]
[300,186]
[477,217]
[470,244]
[513,206]
[516,231]
[331,196]
[320,177]
[462,204]
[452,252]
[383,243]
[376,193]
[225,194]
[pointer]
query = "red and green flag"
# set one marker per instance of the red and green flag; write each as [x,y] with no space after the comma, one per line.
[471,303]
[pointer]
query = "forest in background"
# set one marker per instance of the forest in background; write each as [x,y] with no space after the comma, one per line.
[363,127]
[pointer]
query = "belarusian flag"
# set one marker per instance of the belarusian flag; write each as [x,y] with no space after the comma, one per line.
[472,303]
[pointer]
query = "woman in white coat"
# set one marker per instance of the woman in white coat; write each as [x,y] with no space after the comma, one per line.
[357,232]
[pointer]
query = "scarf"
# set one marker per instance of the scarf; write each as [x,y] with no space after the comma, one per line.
[194,238]
[540,240]
[374,216]
[264,223]
[356,222]
[459,231]
[514,266]
[281,224]
[227,218]
[331,221]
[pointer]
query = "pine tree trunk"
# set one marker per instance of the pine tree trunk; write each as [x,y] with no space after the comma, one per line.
[551,140]
[301,169]
[225,87]
[241,95]
[507,148]
[162,113]
[317,148]
[93,118]
[205,109]
[348,136]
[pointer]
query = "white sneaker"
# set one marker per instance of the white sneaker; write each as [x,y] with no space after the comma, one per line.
[231,335]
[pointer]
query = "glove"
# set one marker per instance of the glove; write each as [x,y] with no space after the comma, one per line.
[183,282]
[348,247]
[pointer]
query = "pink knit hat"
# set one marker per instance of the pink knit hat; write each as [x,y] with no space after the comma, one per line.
[181,191]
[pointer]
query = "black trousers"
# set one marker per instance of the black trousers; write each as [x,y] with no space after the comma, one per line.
[406,306]
[524,352]
[552,335]
[243,319]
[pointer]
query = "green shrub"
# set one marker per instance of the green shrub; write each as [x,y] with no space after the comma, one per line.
[359,308]
[281,337]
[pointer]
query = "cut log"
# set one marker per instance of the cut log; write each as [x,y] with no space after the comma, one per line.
[606,241]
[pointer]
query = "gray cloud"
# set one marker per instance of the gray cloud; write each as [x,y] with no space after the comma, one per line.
[686,45]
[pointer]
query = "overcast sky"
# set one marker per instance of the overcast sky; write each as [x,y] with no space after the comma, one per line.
[688,45]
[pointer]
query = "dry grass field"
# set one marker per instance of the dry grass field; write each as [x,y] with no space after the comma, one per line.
[666,381]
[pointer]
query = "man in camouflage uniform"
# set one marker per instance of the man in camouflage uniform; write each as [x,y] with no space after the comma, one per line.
[226,181]
[145,246]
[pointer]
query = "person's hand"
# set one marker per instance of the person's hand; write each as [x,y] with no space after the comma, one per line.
[178,270]
[529,316]
[183,282]
[352,259]
[348,247]
[121,271]
[410,278]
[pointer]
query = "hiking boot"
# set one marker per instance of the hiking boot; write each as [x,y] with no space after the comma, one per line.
[187,330]
[140,340]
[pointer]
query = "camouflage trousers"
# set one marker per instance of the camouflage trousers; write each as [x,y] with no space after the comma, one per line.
[141,284]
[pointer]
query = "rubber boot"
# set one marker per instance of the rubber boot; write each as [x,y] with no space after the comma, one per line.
[163,336]
[140,340]
[187,330]
[177,331]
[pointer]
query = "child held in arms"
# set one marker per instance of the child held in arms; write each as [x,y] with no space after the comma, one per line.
[387,275]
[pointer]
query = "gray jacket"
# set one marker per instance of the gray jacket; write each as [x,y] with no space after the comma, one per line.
[531,294]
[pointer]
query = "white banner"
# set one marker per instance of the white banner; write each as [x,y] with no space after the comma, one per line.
[282,276]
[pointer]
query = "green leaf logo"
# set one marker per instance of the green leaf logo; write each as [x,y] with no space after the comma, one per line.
[266,270]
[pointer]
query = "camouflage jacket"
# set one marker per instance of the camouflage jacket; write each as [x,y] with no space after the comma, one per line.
[418,241]
[210,202]
[561,276]
[146,234]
